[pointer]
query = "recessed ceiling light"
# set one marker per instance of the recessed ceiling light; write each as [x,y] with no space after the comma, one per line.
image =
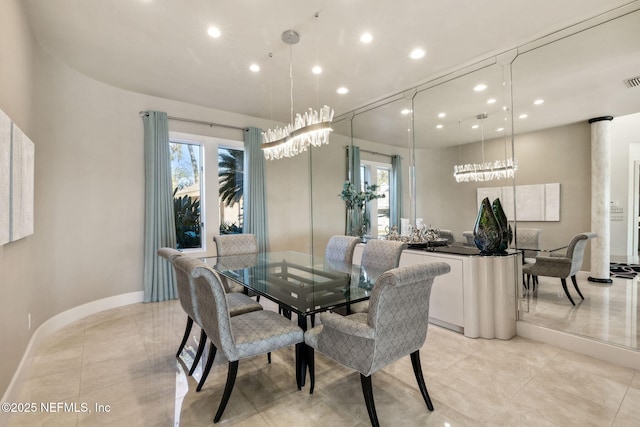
[538,101]
[441,115]
[366,38]
[491,101]
[316,69]
[523,116]
[475,126]
[480,87]
[417,53]
[499,129]
[342,90]
[405,111]
[439,127]
[214,32]
[254,67]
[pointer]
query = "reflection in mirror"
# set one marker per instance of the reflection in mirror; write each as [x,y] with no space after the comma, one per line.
[328,173]
[382,137]
[465,120]
[579,77]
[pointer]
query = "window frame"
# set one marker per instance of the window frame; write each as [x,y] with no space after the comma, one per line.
[209,206]
[370,178]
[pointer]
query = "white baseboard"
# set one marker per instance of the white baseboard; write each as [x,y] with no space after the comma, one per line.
[600,350]
[59,321]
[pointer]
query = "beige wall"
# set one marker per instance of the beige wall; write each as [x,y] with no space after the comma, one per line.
[89,185]
[566,158]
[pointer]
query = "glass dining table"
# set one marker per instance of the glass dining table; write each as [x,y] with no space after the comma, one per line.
[300,283]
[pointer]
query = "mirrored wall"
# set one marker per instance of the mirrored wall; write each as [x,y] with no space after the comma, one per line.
[514,105]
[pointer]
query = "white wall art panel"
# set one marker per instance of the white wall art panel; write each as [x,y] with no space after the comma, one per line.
[5,177]
[22,185]
[552,202]
[538,202]
[530,204]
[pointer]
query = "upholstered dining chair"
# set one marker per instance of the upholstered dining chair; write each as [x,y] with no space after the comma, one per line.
[340,249]
[395,326]
[528,239]
[562,266]
[447,234]
[238,304]
[238,337]
[235,244]
[378,256]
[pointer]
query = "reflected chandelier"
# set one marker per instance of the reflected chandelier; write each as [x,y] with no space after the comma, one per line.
[485,171]
[312,128]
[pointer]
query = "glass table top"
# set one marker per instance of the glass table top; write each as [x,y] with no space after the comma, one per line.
[302,283]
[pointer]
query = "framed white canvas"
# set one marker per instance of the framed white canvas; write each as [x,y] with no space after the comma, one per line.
[5,178]
[22,184]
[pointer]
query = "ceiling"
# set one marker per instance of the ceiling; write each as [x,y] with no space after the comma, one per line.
[161,48]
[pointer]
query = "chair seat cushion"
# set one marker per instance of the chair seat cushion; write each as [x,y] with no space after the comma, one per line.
[263,331]
[241,304]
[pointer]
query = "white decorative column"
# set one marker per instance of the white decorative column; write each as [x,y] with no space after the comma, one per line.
[600,198]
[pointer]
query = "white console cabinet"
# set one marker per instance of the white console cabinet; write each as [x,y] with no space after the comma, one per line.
[478,296]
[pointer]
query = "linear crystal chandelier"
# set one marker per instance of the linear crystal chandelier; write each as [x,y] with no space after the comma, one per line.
[485,171]
[312,128]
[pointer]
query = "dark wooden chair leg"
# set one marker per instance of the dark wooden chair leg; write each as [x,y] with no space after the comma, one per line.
[187,331]
[269,357]
[566,291]
[312,368]
[417,370]
[207,368]
[367,390]
[575,285]
[228,388]
[203,341]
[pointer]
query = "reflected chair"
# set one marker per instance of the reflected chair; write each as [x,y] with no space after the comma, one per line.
[562,266]
[238,304]
[395,326]
[378,256]
[469,238]
[447,234]
[238,337]
[528,239]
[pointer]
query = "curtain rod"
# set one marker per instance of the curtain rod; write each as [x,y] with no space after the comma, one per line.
[199,122]
[373,152]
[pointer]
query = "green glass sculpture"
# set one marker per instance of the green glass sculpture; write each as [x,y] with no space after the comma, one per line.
[487,234]
[507,234]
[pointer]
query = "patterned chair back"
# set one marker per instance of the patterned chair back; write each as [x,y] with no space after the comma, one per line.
[528,238]
[185,290]
[381,255]
[236,244]
[340,249]
[212,304]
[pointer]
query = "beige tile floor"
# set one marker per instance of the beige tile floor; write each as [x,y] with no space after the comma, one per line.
[608,313]
[123,360]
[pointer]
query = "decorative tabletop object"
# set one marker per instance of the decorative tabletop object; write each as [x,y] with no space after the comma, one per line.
[491,233]
[356,202]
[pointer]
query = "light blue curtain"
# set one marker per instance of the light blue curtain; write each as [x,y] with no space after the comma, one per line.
[159,223]
[395,197]
[255,198]
[353,154]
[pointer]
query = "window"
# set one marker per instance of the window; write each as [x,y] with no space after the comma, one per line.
[375,173]
[231,180]
[208,179]
[186,181]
